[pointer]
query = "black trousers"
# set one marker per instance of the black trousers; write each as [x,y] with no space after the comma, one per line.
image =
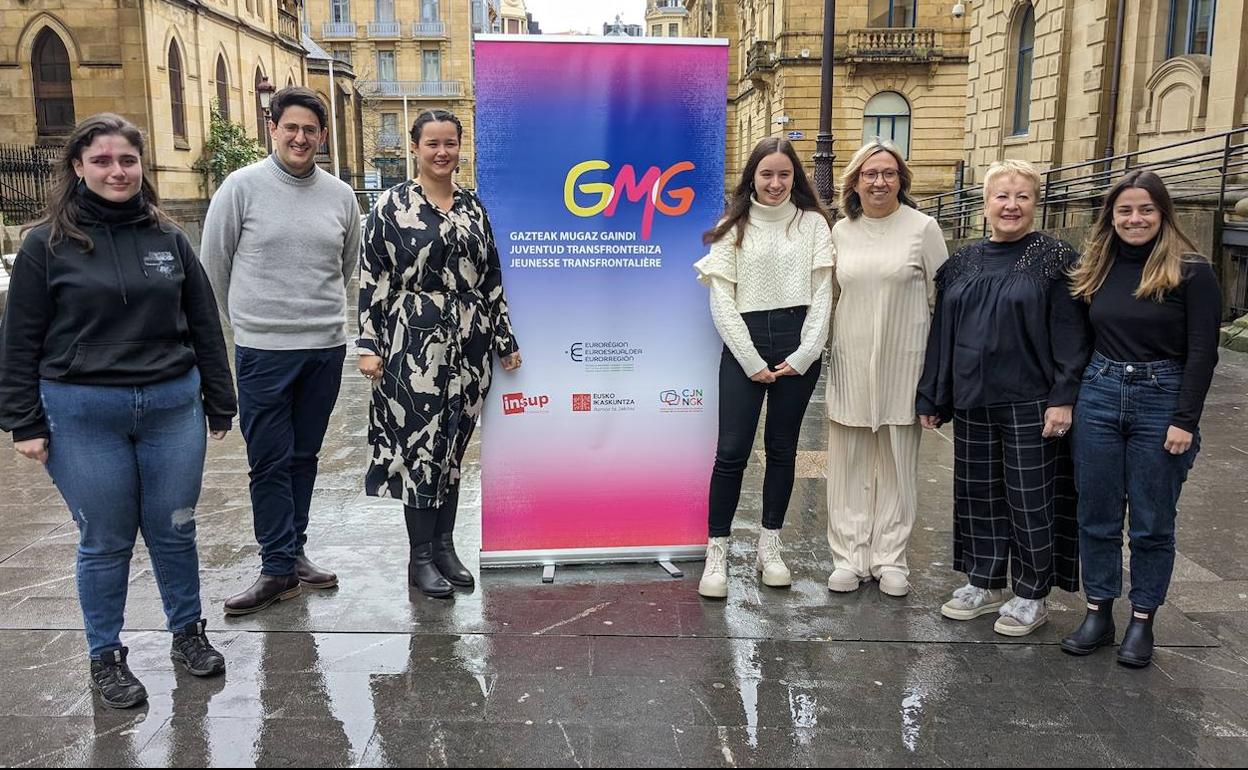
[1014,501]
[776,335]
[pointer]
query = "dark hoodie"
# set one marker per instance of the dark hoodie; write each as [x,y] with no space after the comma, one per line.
[135,310]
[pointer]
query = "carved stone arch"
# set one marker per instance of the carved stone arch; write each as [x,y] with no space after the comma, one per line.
[1177,96]
[26,40]
[190,64]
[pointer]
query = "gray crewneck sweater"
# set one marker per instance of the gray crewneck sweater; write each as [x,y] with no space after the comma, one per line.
[280,251]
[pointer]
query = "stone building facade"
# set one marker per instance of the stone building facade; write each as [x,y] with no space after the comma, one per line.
[161,63]
[666,18]
[900,71]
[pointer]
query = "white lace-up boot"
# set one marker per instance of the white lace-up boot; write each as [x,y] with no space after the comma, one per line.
[714,583]
[772,567]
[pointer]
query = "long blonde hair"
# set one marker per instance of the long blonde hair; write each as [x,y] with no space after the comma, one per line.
[1164,269]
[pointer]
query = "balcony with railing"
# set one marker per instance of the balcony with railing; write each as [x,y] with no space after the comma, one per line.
[894,44]
[338,30]
[384,30]
[760,60]
[428,29]
[287,26]
[413,89]
[389,140]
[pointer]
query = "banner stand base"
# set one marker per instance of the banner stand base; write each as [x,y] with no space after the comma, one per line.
[548,573]
[664,556]
[671,569]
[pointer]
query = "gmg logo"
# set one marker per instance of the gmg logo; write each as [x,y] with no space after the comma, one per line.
[652,186]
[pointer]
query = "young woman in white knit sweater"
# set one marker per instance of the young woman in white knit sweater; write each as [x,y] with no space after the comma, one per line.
[887,256]
[770,276]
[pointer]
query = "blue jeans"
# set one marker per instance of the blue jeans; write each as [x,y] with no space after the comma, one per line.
[1121,463]
[129,459]
[285,398]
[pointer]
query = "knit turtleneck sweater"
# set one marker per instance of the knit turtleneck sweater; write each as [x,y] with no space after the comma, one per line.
[280,251]
[883,296]
[1182,327]
[785,260]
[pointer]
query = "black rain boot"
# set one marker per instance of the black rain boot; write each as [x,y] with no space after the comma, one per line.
[448,563]
[1136,649]
[422,574]
[1096,631]
[119,688]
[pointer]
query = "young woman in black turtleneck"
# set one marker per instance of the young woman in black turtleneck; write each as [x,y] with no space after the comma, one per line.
[111,361]
[1155,308]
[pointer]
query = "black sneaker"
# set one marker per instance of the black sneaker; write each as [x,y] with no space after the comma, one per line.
[112,679]
[192,650]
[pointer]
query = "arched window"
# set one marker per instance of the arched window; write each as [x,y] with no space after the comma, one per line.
[177,99]
[1191,27]
[223,89]
[1025,37]
[887,116]
[261,129]
[54,89]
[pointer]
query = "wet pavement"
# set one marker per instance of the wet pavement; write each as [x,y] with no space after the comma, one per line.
[621,665]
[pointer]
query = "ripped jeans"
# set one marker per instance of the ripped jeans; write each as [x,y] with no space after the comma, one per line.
[129,459]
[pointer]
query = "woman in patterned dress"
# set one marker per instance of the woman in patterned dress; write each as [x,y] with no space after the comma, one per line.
[432,311]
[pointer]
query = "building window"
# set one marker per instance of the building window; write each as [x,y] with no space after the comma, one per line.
[656,30]
[223,89]
[887,116]
[673,30]
[342,54]
[429,11]
[389,134]
[478,16]
[384,10]
[385,66]
[177,97]
[340,11]
[431,66]
[261,129]
[1026,37]
[1191,27]
[54,88]
[891,13]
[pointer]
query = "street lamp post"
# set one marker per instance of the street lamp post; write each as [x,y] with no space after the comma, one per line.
[824,156]
[265,89]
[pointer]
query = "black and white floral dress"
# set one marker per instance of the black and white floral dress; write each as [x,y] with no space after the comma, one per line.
[432,306]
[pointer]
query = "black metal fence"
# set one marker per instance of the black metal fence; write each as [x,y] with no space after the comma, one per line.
[26,173]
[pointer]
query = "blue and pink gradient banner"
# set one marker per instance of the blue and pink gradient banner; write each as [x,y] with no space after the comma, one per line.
[601,163]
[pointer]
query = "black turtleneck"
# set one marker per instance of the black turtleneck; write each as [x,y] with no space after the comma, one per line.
[1182,327]
[135,309]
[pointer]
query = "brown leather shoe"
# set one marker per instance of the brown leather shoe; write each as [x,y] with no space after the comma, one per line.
[265,591]
[313,576]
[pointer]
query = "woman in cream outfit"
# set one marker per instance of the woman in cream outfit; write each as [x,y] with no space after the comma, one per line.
[888,254]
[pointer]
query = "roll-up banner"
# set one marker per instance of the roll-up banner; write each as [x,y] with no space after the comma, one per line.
[601,162]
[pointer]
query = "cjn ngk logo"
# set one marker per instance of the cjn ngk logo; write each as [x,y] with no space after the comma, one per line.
[518,403]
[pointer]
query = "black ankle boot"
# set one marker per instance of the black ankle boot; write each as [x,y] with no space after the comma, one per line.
[422,574]
[1136,649]
[1096,631]
[448,563]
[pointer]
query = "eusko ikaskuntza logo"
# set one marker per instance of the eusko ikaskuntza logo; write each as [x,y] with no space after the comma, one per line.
[602,402]
[519,403]
[681,400]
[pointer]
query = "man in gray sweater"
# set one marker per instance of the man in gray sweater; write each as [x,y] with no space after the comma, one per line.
[281,242]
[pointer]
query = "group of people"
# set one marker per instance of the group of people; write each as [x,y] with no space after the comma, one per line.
[114,367]
[114,371]
[1074,380]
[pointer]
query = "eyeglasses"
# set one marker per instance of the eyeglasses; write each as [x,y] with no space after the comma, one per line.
[888,175]
[290,129]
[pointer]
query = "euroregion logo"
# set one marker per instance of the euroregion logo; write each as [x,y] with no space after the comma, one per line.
[651,188]
[518,403]
[683,400]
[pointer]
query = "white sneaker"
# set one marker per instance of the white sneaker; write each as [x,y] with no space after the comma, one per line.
[714,583]
[1020,617]
[843,581]
[893,583]
[775,573]
[970,602]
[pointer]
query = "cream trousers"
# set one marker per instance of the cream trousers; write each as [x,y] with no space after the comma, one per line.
[872,496]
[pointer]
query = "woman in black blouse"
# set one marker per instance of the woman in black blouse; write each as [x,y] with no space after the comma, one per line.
[1155,308]
[1004,354]
[432,317]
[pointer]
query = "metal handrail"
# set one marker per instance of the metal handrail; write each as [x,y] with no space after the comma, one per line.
[1063,186]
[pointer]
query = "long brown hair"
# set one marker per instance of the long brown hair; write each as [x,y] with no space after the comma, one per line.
[1164,269]
[738,209]
[851,202]
[61,211]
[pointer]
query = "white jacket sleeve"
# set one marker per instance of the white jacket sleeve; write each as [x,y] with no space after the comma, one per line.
[718,271]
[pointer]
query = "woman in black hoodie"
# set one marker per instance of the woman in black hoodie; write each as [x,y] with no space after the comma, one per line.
[111,358]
